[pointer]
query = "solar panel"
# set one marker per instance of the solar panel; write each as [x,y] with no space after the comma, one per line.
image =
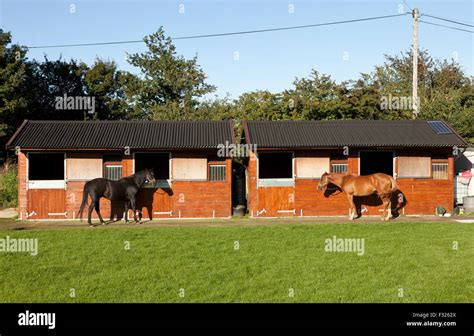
[439,127]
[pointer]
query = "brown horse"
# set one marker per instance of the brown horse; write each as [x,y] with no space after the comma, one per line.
[353,185]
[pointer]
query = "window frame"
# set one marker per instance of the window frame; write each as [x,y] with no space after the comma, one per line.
[45,184]
[311,156]
[159,183]
[188,179]
[276,182]
[421,155]
[338,160]
[82,179]
[106,164]
[394,158]
[219,164]
[439,161]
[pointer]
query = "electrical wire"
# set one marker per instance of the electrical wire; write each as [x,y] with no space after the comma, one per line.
[444,26]
[448,20]
[223,34]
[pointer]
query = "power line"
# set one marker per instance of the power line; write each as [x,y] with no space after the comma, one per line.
[84,44]
[444,26]
[223,34]
[289,28]
[406,3]
[448,20]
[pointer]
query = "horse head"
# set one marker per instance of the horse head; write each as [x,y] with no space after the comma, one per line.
[324,181]
[149,176]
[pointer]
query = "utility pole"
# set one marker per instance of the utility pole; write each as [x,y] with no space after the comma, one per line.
[415,100]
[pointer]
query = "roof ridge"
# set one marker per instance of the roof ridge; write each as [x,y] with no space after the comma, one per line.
[342,120]
[351,132]
[83,134]
[129,121]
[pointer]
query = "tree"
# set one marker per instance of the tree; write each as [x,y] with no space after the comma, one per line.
[111,90]
[170,85]
[12,79]
[445,92]
[50,80]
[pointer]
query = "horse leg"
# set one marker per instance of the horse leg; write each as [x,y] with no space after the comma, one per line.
[350,197]
[389,207]
[89,214]
[97,209]
[125,217]
[133,203]
[385,205]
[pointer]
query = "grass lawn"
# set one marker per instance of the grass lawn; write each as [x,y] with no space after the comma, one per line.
[273,261]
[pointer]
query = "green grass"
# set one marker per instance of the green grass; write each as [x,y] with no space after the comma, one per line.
[417,257]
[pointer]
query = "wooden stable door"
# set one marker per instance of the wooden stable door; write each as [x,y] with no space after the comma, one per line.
[46,204]
[276,202]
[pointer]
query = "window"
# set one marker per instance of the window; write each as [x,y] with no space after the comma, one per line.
[189,169]
[159,162]
[311,167]
[340,168]
[439,168]
[414,166]
[113,167]
[83,168]
[113,172]
[372,162]
[338,164]
[275,165]
[48,166]
[217,172]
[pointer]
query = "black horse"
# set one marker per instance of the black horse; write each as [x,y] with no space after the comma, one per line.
[125,189]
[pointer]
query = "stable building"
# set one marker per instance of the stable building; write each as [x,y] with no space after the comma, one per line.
[283,174]
[56,158]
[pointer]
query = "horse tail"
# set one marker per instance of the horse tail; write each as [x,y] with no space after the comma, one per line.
[85,194]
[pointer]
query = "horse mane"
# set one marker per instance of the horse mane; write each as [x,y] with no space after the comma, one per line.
[332,180]
[134,177]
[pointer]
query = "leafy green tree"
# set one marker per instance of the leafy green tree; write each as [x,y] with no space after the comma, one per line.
[217,109]
[259,105]
[445,92]
[170,85]
[363,99]
[112,90]
[8,185]
[49,81]
[12,79]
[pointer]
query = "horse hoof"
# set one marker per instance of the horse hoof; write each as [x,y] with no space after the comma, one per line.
[91,226]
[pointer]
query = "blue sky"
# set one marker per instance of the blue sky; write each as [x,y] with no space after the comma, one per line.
[265,61]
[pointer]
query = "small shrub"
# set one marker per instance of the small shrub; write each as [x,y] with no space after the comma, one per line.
[8,185]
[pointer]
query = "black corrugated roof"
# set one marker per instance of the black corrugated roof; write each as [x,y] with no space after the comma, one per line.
[45,134]
[337,133]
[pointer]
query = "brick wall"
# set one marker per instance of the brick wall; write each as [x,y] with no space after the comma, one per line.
[22,186]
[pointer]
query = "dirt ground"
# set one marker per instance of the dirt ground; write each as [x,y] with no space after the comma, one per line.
[12,224]
[8,213]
